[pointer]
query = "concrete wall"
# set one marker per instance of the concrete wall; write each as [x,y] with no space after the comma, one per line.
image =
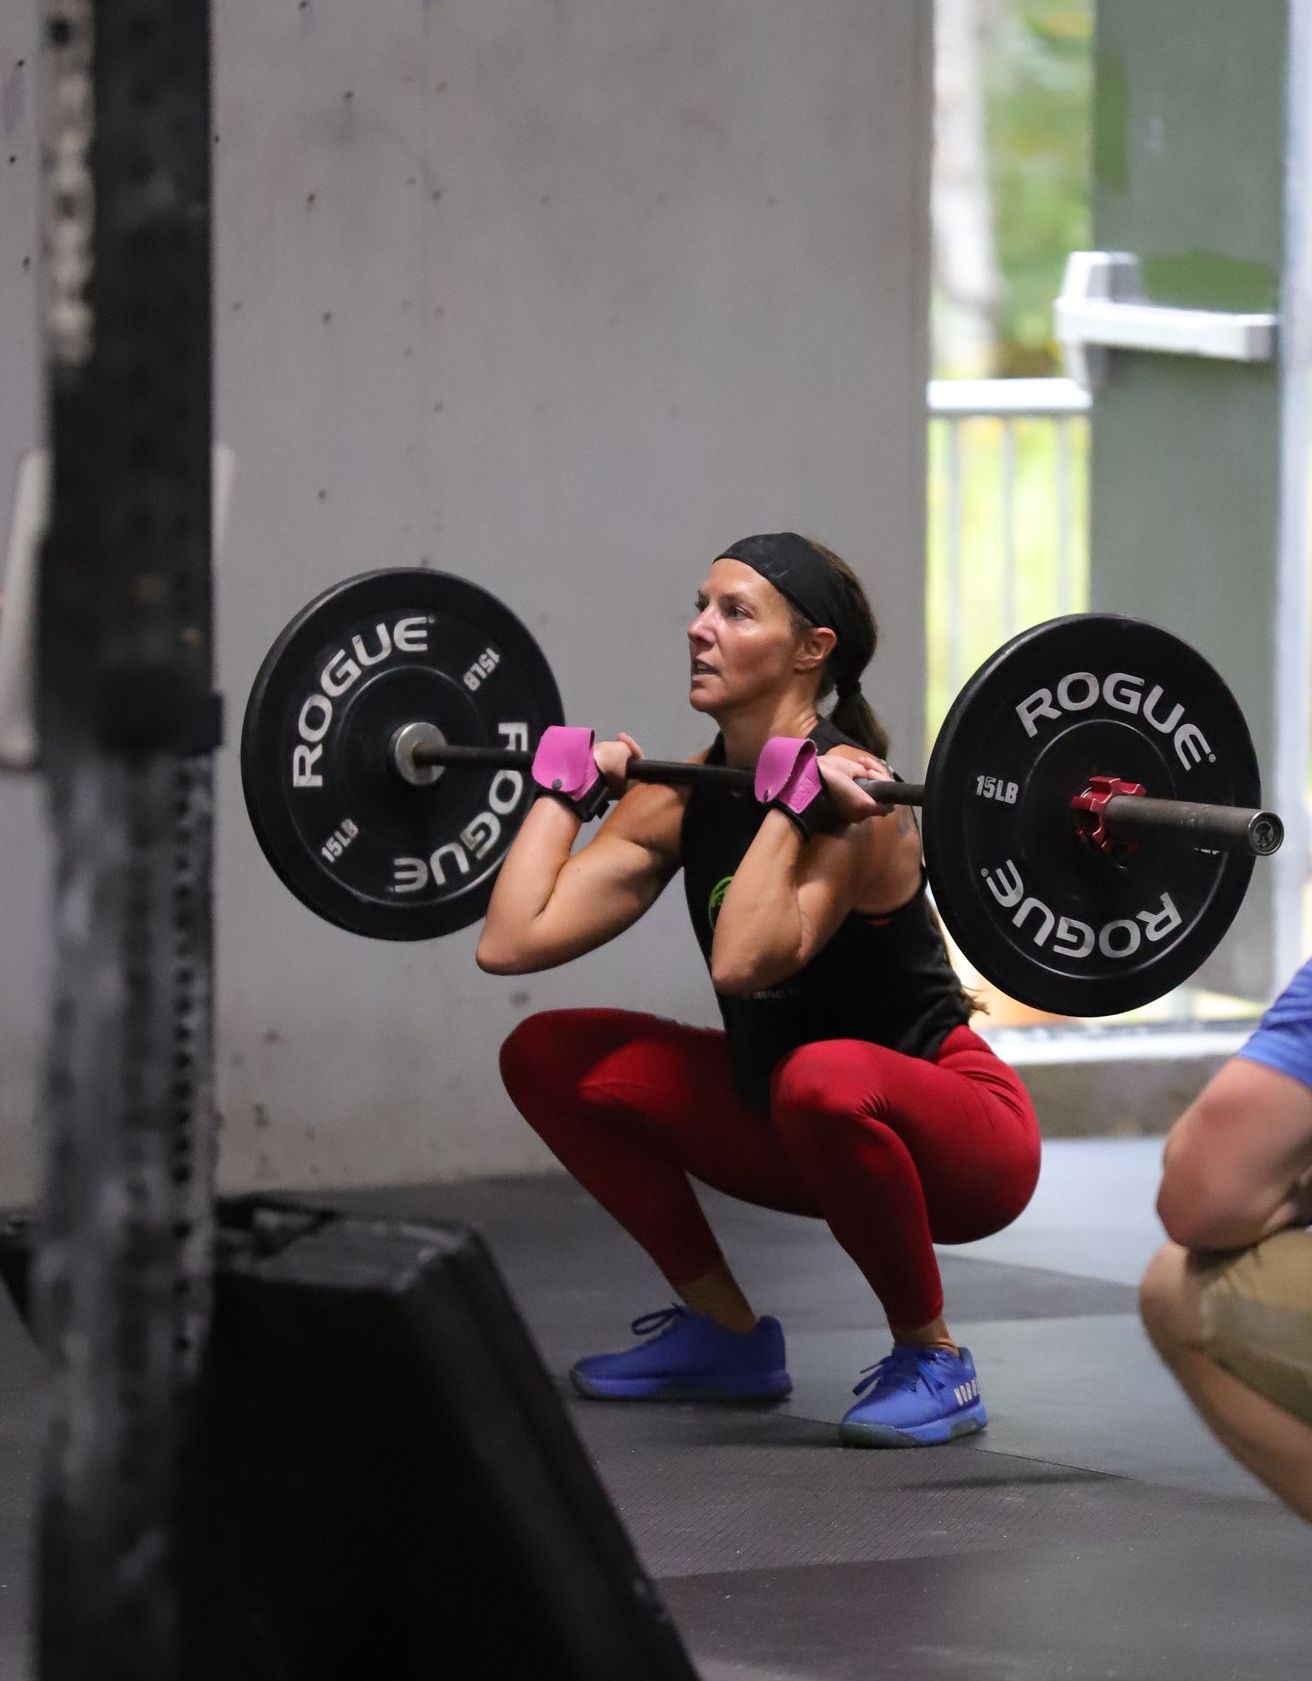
[562,297]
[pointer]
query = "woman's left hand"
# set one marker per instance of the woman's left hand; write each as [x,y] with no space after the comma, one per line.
[841,770]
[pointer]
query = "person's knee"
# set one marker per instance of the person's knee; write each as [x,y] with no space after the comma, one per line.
[816,1111]
[817,1079]
[1168,1299]
[530,1051]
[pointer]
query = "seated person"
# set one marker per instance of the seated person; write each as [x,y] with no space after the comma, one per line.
[1228,1302]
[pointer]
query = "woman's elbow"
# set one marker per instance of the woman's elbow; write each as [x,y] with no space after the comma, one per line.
[741,976]
[493,959]
[733,981]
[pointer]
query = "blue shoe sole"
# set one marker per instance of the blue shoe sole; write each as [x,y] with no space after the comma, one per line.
[964,1423]
[771,1387]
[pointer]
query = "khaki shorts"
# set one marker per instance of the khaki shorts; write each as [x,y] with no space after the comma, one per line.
[1256,1310]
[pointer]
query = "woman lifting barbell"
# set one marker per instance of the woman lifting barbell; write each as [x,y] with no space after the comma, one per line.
[846,1082]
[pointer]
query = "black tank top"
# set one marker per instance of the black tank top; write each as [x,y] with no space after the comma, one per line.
[882,978]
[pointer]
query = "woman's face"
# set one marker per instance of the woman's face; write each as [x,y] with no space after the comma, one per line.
[742,642]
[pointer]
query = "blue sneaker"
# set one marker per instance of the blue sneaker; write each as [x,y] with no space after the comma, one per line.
[689,1358]
[916,1397]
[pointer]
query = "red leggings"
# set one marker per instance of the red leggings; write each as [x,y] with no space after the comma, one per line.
[894,1152]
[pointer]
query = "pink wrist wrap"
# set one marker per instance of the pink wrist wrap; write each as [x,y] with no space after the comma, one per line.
[563,763]
[787,773]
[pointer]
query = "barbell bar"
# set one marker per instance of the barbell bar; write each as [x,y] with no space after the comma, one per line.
[1125,817]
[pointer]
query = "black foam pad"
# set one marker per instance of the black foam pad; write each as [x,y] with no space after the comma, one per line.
[390,1485]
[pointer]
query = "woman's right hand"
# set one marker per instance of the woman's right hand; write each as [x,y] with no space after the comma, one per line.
[613,760]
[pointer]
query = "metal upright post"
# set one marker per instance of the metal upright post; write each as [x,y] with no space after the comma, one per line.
[127,723]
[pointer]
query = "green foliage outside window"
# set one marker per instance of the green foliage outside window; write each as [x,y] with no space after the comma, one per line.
[1039,91]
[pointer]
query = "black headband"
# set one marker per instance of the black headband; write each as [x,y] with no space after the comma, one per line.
[800,572]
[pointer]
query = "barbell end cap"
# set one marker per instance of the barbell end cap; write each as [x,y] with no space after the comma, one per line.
[401,753]
[1266,833]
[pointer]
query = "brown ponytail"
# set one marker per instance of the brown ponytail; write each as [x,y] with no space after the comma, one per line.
[841,672]
[851,712]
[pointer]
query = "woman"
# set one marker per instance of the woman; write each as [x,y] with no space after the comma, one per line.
[846,1082]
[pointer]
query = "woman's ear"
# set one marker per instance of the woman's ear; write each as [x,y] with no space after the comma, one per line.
[814,649]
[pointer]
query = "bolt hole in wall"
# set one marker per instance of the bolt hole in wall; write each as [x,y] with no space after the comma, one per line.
[1008,548]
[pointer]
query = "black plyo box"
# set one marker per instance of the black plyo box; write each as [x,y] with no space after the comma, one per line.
[389,1484]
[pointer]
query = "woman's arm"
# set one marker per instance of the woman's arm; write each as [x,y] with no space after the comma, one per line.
[789,895]
[550,905]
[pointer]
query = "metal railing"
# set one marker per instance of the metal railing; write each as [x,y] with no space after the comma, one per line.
[1007,527]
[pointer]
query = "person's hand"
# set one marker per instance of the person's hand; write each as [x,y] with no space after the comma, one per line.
[841,770]
[613,760]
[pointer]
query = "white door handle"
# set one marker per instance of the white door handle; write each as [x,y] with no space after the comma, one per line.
[1102,307]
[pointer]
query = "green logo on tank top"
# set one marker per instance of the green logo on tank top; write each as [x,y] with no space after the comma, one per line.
[716,900]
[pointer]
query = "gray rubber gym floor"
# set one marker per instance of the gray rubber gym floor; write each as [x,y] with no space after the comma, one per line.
[1094,1530]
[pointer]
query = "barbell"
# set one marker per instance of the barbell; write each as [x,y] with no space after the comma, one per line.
[1091,807]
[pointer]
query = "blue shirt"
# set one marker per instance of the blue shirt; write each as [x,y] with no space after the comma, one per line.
[1283,1039]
